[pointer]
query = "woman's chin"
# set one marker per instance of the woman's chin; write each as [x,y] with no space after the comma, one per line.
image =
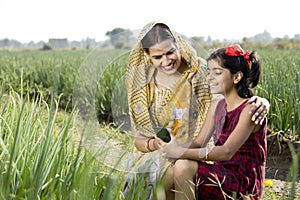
[169,71]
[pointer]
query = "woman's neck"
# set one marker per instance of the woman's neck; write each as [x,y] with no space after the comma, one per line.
[163,80]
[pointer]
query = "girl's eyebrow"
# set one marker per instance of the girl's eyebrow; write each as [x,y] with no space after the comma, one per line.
[215,68]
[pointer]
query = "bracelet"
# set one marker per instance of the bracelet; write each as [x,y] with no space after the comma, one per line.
[206,153]
[201,156]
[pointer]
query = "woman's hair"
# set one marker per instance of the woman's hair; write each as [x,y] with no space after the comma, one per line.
[251,71]
[160,32]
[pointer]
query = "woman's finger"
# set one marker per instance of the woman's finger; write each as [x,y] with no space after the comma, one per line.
[158,142]
[252,99]
[172,136]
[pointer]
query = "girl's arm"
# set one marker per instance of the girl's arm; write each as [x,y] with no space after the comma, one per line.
[207,128]
[218,153]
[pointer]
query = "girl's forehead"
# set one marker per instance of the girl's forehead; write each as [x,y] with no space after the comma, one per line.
[213,64]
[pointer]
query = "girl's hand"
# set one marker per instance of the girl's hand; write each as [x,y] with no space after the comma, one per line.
[260,109]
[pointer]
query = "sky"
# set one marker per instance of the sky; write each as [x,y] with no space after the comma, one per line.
[36,20]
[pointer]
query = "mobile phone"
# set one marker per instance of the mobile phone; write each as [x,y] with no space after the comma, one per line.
[163,134]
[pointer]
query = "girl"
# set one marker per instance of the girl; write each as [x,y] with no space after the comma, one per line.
[239,150]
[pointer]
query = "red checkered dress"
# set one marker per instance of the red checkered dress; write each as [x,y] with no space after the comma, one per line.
[242,175]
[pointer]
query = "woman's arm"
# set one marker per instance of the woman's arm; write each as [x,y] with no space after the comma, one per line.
[142,143]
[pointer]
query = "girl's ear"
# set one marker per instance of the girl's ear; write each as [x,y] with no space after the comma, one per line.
[237,77]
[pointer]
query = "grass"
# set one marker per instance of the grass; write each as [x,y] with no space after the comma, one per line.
[43,156]
[47,151]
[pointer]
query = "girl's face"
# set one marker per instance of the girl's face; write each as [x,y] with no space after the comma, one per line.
[165,56]
[220,79]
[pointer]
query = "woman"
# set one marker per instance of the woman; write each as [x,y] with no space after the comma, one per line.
[239,153]
[166,88]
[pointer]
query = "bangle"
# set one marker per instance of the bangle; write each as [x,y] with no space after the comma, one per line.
[147,147]
[153,145]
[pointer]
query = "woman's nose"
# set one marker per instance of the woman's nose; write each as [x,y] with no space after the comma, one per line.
[165,60]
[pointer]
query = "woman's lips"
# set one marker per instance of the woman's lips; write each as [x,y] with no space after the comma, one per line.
[170,67]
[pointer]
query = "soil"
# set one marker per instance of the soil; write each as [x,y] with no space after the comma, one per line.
[279,161]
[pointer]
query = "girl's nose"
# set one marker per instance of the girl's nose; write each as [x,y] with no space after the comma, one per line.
[209,77]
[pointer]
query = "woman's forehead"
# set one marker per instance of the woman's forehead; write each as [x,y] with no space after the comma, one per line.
[162,46]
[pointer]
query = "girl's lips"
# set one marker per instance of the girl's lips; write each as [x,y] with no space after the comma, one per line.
[213,85]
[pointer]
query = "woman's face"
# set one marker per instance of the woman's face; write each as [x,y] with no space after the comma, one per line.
[165,56]
[220,79]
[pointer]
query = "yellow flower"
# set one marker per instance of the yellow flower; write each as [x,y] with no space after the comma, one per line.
[269,183]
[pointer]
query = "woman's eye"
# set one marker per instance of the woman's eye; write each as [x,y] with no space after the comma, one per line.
[170,52]
[157,57]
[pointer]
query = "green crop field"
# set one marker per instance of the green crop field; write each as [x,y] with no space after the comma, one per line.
[47,150]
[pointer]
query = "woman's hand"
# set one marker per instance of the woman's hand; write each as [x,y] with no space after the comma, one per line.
[260,109]
[172,149]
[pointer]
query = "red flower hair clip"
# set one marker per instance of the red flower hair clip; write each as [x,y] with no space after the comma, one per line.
[236,50]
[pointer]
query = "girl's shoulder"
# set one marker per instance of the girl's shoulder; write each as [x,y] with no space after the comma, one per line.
[245,110]
[242,109]
[246,115]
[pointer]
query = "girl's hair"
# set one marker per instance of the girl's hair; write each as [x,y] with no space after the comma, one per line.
[251,73]
[160,32]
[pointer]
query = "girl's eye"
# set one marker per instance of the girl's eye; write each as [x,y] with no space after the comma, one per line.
[217,72]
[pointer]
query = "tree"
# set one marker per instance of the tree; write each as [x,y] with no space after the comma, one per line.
[119,37]
[262,38]
[297,36]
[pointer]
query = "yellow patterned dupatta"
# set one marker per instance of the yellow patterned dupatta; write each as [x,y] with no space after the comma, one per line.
[190,94]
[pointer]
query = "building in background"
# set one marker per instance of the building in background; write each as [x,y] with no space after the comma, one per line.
[57,43]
